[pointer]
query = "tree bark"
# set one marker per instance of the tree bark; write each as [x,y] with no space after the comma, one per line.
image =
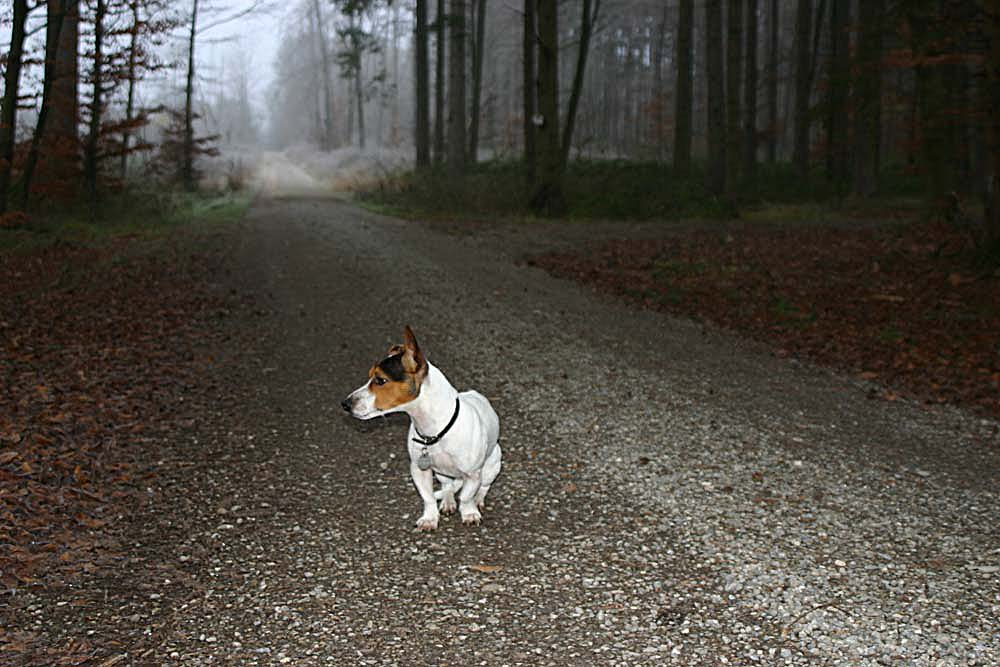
[91,147]
[716,129]
[548,199]
[588,17]
[456,87]
[750,96]
[477,79]
[734,77]
[12,85]
[441,30]
[529,50]
[423,111]
[838,86]
[60,13]
[187,159]
[803,89]
[684,101]
[772,82]
[868,98]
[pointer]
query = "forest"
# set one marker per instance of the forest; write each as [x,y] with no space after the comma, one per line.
[740,100]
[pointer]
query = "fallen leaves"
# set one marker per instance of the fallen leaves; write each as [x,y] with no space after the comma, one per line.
[900,306]
[95,358]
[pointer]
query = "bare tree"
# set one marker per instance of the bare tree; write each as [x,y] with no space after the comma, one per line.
[838,84]
[327,142]
[547,198]
[422,138]
[529,51]
[478,44]
[92,144]
[716,98]
[11,90]
[772,82]
[441,31]
[456,86]
[868,97]
[803,84]
[684,101]
[750,95]
[188,143]
[734,77]
[588,19]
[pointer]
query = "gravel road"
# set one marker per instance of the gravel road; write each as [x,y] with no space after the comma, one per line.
[671,495]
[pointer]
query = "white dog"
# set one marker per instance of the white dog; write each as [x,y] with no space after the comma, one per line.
[453,436]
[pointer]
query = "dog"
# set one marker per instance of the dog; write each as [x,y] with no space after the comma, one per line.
[453,436]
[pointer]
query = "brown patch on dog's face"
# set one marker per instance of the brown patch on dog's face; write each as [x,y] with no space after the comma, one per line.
[396,379]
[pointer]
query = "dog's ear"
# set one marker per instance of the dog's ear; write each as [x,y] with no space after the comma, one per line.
[413,358]
[394,350]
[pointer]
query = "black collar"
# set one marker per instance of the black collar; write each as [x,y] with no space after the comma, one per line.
[427,441]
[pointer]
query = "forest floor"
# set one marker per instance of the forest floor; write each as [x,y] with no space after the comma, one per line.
[178,484]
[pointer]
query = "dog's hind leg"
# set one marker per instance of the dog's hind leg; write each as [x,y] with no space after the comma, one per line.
[446,494]
[490,471]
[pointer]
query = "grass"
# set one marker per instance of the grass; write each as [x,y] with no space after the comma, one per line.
[141,215]
[624,190]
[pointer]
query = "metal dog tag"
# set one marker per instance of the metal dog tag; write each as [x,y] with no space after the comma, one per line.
[424,460]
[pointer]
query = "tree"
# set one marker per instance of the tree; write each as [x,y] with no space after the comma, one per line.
[684,101]
[838,84]
[547,198]
[868,98]
[456,86]
[734,77]
[91,146]
[991,99]
[803,84]
[530,88]
[440,32]
[187,174]
[478,46]
[327,140]
[12,85]
[750,96]
[588,19]
[716,98]
[422,121]
[772,82]
[58,78]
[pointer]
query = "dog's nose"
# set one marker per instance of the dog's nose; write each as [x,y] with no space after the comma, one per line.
[346,404]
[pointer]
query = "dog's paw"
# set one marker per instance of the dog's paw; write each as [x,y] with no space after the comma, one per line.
[471,518]
[427,523]
[447,505]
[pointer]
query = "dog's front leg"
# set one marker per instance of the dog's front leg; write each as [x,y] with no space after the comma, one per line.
[424,481]
[466,504]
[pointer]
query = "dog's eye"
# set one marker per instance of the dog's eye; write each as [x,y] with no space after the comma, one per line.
[378,380]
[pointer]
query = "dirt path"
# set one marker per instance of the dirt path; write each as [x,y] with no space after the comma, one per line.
[670,495]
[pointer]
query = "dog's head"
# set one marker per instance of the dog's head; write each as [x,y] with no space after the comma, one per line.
[392,382]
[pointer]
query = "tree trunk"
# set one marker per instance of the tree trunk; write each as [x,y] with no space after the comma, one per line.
[477,79]
[588,17]
[803,76]
[58,17]
[187,159]
[772,83]
[327,141]
[750,96]
[734,77]
[684,101]
[529,49]
[456,87]
[441,28]
[423,111]
[838,85]
[548,199]
[992,98]
[716,129]
[12,84]
[868,97]
[92,145]
[132,83]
